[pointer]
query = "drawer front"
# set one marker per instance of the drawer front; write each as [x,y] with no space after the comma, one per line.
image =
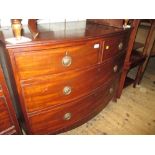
[5,119]
[37,63]
[8,121]
[113,46]
[66,115]
[57,89]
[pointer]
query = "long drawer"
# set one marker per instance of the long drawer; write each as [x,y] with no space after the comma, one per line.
[42,62]
[44,92]
[61,117]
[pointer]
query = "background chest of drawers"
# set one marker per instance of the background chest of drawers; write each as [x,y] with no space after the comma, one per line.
[64,80]
[8,120]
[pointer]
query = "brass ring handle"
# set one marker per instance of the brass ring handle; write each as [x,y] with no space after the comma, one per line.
[67,90]
[120,46]
[66,61]
[115,68]
[111,90]
[67,116]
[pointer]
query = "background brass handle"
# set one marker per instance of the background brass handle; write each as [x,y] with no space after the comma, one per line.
[66,61]
[111,90]
[120,46]
[67,90]
[67,116]
[115,68]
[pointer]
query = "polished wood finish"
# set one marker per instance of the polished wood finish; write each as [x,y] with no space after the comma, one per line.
[49,61]
[114,45]
[135,58]
[57,94]
[8,121]
[53,38]
[79,110]
[109,22]
[44,92]
[32,25]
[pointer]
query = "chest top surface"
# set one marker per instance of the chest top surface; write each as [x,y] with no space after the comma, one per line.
[48,35]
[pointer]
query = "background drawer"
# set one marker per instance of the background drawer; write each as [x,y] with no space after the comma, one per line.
[5,119]
[8,121]
[113,46]
[37,63]
[63,116]
[44,92]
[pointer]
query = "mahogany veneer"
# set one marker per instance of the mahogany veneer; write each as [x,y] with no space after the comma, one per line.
[64,78]
[8,120]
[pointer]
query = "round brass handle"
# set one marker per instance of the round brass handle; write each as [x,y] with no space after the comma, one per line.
[67,90]
[107,47]
[67,116]
[111,90]
[66,61]
[115,68]
[120,46]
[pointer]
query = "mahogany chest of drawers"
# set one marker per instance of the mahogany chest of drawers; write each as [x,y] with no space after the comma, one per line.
[8,119]
[65,78]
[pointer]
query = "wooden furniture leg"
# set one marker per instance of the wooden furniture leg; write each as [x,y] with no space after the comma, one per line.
[137,76]
[147,51]
[126,66]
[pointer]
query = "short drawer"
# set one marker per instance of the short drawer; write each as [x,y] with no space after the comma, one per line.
[113,46]
[63,116]
[36,63]
[5,120]
[44,92]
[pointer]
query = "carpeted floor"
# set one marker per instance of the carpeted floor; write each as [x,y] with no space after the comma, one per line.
[134,112]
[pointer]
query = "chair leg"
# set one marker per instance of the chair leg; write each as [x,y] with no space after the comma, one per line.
[138,75]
